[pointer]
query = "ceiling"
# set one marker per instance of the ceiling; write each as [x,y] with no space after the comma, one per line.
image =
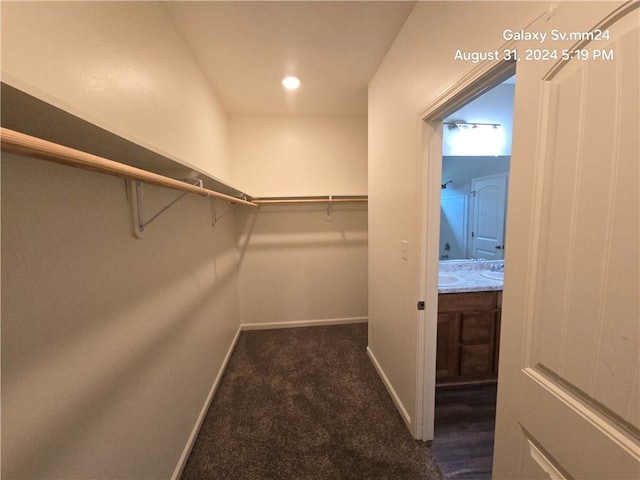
[245,48]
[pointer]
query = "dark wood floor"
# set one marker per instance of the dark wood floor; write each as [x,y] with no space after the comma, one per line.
[464,431]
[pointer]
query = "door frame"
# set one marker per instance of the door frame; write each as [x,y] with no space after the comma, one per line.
[482,78]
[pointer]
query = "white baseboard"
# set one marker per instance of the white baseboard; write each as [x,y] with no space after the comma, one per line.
[303,323]
[205,408]
[394,396]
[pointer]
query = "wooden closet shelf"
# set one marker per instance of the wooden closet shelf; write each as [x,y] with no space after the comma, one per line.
[324,199]
[32,147]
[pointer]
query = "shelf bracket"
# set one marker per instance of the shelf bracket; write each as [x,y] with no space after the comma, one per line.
[214,210]
[328,215]
[140,222]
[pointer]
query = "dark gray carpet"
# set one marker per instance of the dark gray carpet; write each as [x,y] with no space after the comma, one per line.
[305,403]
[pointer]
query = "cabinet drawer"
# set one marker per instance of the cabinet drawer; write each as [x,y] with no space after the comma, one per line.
[449,302]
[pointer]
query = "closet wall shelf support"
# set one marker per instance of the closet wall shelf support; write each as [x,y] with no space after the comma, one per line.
[214,210]
[32,147]
[327,216]
[134,189]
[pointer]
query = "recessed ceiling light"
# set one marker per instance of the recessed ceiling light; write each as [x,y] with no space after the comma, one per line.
[291,82]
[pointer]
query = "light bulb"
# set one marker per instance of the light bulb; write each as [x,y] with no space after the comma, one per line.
[290,82]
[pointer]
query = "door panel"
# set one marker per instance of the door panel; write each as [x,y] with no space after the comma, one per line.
[448,344]
[487,221]
[577,304]
[477,327]
[569,381]
[476,360]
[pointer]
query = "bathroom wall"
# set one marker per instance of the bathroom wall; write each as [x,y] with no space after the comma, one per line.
[417,69]
[462,169]
[494,106]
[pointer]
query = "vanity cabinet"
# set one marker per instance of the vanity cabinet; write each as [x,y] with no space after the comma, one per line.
[468,333]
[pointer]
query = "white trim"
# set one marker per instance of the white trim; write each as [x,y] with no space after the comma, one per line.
[304,323]
[430,134]
[545,463]
[203,412]
[479,80]
[474,84]
[580,404]
[394,396]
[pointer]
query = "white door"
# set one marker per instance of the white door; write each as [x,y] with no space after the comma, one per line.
[568,398]
[489,200]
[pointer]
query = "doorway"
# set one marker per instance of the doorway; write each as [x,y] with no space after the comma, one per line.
[486,77]
[472,232]
[476,157]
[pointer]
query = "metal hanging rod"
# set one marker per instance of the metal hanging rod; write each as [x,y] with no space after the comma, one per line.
[321,199]
[28,146]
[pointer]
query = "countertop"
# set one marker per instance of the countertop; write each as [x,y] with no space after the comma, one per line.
[468,273]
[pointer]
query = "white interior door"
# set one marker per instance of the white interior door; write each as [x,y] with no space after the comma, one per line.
[489,195]
[568,394]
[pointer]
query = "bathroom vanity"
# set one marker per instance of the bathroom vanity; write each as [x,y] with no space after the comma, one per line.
[469,305]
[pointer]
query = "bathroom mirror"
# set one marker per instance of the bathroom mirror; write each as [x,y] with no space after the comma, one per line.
[473,207]
[475,176]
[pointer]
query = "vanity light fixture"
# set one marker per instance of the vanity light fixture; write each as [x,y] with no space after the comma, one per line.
[291,82]
[453,125]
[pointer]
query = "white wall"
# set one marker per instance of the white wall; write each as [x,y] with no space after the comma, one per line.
[495,106]
[462,169]
[121,66]
[110,344]
[290,156]
[417,69]
[295,266]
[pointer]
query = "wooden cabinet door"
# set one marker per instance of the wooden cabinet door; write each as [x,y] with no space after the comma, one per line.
[467,337]
[477,337]
[448,345]
[476,360]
